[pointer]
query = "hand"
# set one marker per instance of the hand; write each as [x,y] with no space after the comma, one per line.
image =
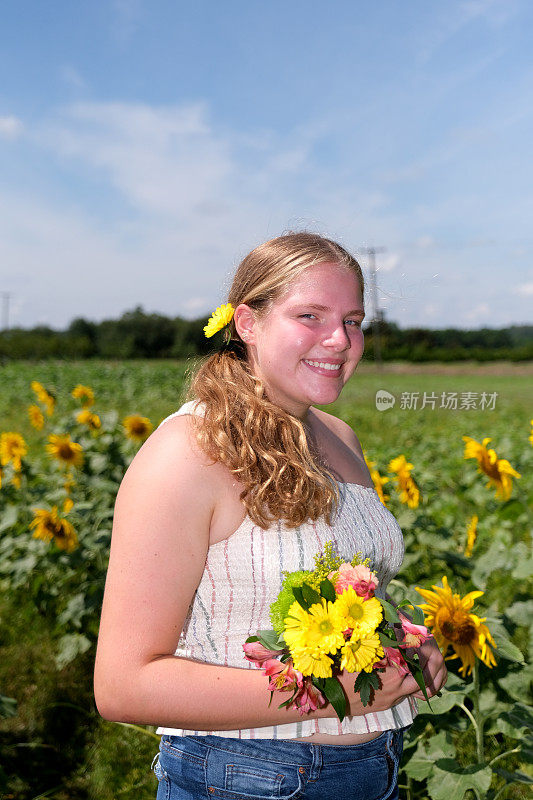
[394,688]
[433,668]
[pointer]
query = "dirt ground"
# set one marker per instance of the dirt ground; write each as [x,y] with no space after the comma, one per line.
[521,368]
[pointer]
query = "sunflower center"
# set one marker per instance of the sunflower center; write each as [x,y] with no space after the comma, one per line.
[138,427]
[456,626]
[65,451]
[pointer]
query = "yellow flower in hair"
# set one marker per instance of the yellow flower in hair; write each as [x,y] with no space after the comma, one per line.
[218,319]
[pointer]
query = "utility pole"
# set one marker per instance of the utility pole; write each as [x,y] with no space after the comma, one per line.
[5,310]
[377,313]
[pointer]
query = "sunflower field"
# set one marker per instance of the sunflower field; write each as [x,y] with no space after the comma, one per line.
[458,480]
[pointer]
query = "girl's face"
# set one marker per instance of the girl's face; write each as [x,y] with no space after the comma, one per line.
[311,341]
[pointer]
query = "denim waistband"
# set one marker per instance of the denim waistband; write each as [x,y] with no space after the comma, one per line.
[287,751]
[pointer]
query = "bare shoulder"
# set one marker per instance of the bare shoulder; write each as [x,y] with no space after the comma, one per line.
[341,429]
[172,457]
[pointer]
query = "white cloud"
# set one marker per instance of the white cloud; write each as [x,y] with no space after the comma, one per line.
[525,289]
[71,77]
[181,201]
[10,127]
[477,314]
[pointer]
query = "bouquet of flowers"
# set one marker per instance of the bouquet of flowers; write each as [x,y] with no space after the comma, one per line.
[329,619]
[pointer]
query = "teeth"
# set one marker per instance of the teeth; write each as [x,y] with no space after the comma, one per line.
[323,365]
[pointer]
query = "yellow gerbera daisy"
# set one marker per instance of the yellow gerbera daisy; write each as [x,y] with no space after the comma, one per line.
[318,629]
[471,533]
[86,417]
[312,662]
[12,450]
[65,450]
[355,612]
[49,525]
[218,319]
[83,393]
[36,417]
[137,428]
[531,434]
[360,654]
[453,625]
[498,470]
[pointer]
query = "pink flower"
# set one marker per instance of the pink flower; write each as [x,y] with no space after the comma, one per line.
[309,698]
[415,635]
[393,658]
[363,580]
[257,653]
[283,677]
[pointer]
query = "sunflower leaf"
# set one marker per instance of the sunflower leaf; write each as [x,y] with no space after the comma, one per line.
[332,689]
[450,781]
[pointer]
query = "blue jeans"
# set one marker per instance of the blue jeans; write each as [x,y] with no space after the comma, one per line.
[196,767]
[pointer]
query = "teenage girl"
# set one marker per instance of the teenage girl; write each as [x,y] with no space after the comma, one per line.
[248,479]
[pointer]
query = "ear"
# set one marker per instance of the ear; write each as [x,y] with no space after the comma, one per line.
[244,320]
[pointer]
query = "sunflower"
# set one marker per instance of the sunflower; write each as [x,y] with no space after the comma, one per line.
[137,428]
[44,397]
[455,626]
[360,654]
[49,525]
[318,629]
[83,393]
[531,434]
[355,612]
[498,470]
[36,417]
[12,450]
[218,319]
[378,480]
[406,484]
[86,417]
[471,533]
[66,451]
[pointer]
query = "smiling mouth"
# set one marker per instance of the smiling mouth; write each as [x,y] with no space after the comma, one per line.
[323,365]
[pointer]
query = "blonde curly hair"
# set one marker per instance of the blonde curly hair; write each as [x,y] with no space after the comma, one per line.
[265,447]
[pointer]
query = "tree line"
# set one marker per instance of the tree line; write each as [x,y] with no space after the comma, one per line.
[137,334]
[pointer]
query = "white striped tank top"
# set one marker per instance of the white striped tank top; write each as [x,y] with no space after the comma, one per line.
[243,575]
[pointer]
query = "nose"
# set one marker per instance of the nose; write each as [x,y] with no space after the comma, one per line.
[337,338]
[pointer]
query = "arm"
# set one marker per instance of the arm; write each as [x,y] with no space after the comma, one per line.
[159,545]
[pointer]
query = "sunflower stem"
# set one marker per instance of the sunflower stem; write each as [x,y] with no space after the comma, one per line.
[469,715]
[502,755]
[478,715]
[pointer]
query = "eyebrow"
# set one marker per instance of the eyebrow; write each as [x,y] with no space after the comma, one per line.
[319,307]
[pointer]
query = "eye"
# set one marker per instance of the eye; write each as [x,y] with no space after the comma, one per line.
[355,322]
[307,315]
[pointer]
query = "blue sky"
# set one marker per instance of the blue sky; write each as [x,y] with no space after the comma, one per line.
[145,148]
